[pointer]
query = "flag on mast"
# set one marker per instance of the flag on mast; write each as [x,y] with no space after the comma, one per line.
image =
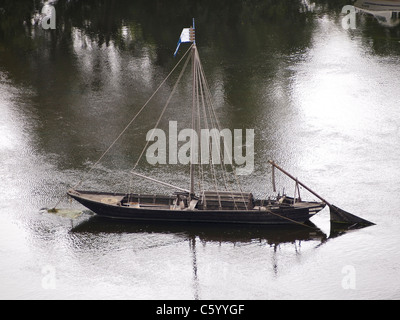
[187,35]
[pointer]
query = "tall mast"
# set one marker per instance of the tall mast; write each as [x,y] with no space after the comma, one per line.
[192,151]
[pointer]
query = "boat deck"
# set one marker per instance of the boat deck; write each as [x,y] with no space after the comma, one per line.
[164,202]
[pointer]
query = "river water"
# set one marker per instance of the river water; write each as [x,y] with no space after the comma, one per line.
[322,100]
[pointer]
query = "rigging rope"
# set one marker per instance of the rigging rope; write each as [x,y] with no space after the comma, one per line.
[84,177]
[214,117]
[202,89]
[162,113]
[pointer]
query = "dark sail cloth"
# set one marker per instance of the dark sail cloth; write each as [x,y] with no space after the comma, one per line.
[339,216]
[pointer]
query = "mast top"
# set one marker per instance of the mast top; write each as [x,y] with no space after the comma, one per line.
[193,33]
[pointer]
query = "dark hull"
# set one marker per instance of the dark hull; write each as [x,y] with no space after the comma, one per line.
[278,216]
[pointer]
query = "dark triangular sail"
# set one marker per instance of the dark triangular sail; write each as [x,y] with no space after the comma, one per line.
[343,217]
[338,216]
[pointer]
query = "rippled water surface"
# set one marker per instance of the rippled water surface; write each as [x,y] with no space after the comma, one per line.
[323,102]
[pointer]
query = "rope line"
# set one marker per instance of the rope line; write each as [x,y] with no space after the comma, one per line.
[162,113]
[216,124]
[84,177]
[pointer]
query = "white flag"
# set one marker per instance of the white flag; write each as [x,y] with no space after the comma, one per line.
[185,37]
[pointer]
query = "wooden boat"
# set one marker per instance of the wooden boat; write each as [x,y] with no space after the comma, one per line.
[229,206]
[210,207]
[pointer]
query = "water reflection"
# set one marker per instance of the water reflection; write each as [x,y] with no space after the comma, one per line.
[270,235]
[196,283]
[276,245]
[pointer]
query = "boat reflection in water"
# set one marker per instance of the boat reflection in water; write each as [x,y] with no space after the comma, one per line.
[387,12]
[292,239]
[273,235]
